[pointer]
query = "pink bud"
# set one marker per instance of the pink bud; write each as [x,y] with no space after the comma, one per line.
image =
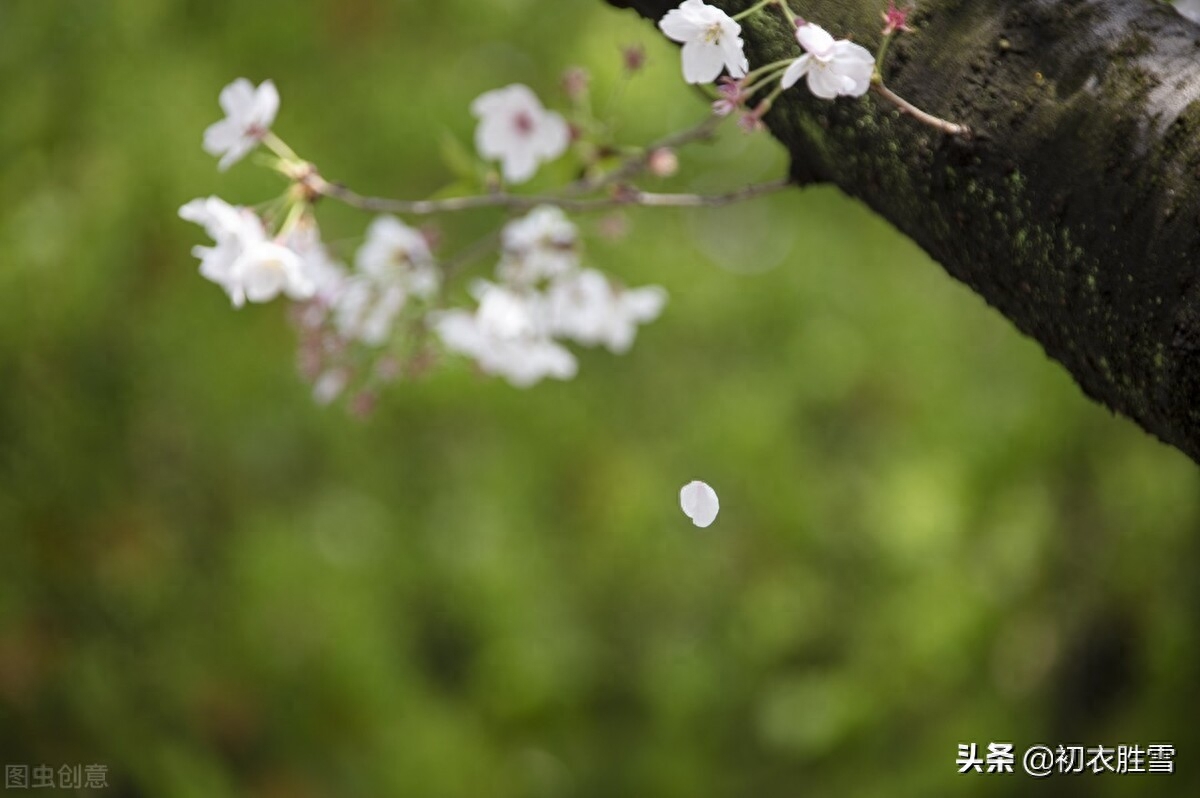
[663,162]
[895,19]
[732,94]
[634,57]
[575,82]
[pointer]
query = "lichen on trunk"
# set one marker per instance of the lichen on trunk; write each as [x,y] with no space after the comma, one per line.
[1074,210]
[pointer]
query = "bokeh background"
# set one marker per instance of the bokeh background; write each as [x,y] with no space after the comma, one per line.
[217,588]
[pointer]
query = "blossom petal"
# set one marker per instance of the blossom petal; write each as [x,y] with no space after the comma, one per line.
[266,104]
[519,165]
[554,136]
[221,136]
[644,304]
[239,150]
[825,83]
[736,61]
[797,70]
[237,99]
[815,40]
[683,23]
[699,503]
[702,61]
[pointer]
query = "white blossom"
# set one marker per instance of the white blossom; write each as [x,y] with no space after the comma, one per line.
[330,385]
[711,41]
[245,261]
[541,245]
[1189,9]
[230,227]
[249,114]
[392,265]
[266,269]
[587,308]
[328,275]
[394,251]
[365,310]
[506,336]
[515,129]
[699,503]
[835,68]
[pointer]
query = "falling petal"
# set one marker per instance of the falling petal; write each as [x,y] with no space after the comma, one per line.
[699,503]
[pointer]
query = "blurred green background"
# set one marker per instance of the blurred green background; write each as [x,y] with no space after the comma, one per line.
[217,588]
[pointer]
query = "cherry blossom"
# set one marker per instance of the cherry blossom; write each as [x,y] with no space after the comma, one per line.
[711,41]
[587,308]
[329,276]
[392,265]
[506,336]
[732,96]
[540,245]
[835,68]
[394,251]
[515,129]
[230,227]
[245,262]
[699,503]
[366,310]
[265,270]
[249,114]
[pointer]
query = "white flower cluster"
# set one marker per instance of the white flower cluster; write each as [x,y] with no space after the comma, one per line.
[835,68]
[516,130]
[545,296]
[249,114]
[247,263]
[712,43]
[542,297]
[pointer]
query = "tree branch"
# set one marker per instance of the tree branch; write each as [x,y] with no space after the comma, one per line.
[620,197]
[1074,208]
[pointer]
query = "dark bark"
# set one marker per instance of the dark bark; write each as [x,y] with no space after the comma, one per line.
[1075,211]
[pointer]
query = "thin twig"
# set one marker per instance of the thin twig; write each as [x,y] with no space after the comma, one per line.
[621,197]
[307,176]
[636,164]
[916,113]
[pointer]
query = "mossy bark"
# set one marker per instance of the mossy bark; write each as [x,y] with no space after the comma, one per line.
[1075,210]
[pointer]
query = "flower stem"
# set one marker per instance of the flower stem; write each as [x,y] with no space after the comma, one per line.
[279,147]
[295,214]
[766,104]
[753,9]
[770,77]
[883,49]
[787,12]
[774,65]
[924,117]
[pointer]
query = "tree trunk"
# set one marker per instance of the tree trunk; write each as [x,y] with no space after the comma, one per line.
[1074,210]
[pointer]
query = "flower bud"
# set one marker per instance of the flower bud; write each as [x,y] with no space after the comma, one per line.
[634,57]
[575,82]
[663,162]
